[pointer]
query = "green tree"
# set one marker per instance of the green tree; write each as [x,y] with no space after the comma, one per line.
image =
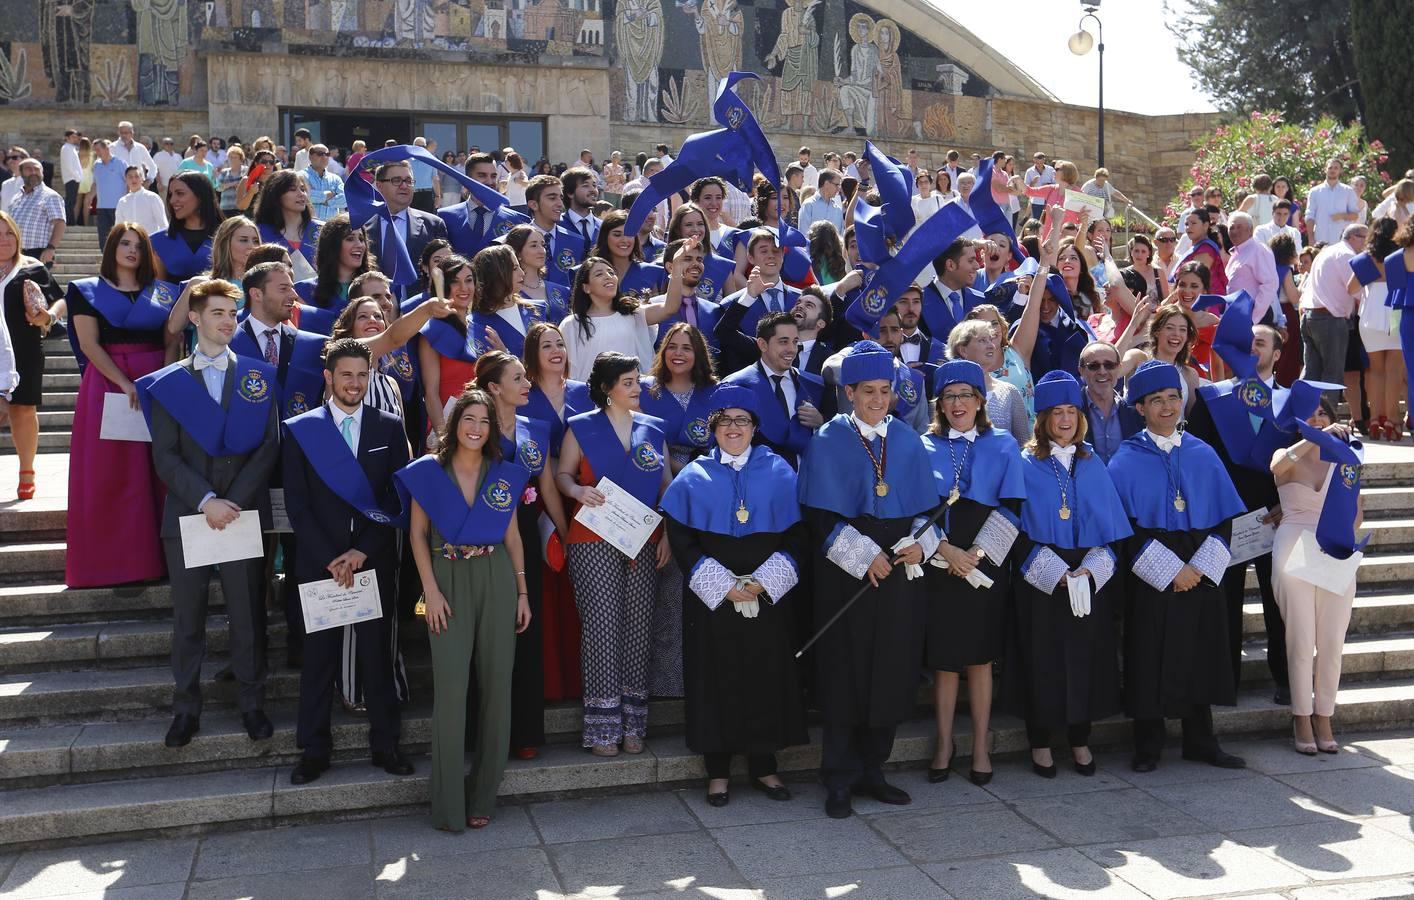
[1294,56]
[1379,32]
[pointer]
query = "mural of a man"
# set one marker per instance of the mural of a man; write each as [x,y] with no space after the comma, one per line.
[66,32]
[857,90]
[797,52]
[639,32]
[161,46]
[719,27]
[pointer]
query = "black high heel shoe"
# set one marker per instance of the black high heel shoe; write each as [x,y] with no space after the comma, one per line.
[938,776]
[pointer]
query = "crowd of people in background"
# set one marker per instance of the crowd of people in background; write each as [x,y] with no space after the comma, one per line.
[727,378]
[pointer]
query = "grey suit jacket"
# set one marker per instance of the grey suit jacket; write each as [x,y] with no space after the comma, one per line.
[190,474]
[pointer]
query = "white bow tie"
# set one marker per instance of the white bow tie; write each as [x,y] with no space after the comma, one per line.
[969,435]
[872,431]
[736,462]
[1165,444]
[202,361]
[1063,454]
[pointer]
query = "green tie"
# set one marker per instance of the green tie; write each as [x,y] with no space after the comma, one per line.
[346,430]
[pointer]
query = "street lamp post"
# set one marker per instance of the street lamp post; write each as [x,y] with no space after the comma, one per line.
[1080,44]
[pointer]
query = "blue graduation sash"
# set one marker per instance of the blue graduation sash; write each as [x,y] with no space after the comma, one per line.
[148,313]
[542,410]
[232,431]
[567,252]
[644,278]
[1205,242]
[531,311]
[401,365]
[911,388]
[639,470]
[305,289]
[1193,467]
[1335,529]
[308,239]
[1097,517]
[556,305]
[1236,406]
[303,386]
[1397,280]
[177,256]
[337,466]
[706,495]
[450,342]
[716,270]
[319,319]
[531,447]
[681,427]
[437,492]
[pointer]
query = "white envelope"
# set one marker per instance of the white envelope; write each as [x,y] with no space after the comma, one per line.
[203,545]
[1313,566]
[121,422]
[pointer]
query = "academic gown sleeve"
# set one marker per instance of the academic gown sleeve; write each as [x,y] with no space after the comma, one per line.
[710,580]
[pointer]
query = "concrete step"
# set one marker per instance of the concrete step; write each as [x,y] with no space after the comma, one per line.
[52,603]
[60,399]
[56,419]
[49,442]
[101,646]
[1371,614]
[263,796]
[32,559]
[1364,657]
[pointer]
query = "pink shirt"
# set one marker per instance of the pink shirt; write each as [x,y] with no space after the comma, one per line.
[1251,267]
[1324,286]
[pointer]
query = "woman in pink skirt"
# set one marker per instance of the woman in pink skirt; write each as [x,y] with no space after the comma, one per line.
[117,322]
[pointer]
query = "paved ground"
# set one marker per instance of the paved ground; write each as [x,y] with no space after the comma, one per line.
[1290,826]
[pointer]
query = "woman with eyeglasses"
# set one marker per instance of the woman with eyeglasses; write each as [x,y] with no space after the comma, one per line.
[977,469]
[1013,368]
[976,341]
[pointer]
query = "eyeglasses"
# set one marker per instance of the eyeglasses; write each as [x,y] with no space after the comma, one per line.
[1165,240]
[955,397]
[13,158]
[319,153]
[396,182]
[735,421]
[1108,365]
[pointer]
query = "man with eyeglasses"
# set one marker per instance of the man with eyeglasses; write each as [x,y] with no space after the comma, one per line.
[326,190]
[1110,417]
[415,228]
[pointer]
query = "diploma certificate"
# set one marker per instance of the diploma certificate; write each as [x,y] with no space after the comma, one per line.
[203,545]
[121,422]
[327,605]
[1251,537]
[621,519]
[1080,202]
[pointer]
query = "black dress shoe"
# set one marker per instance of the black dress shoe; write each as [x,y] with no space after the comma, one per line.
[394,763]
[837,805]
[719,800]
[884,793]
[1143,764]
[308,769]
[779,793]
[1282,697]
[257,725]
[1086,769]
[938,776]
[1217,757]
[979,778]
[1043,771]
[184,725]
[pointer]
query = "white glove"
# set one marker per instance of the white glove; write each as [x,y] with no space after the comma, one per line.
[1079,587]
[978,579]
[912,570]
[751,609]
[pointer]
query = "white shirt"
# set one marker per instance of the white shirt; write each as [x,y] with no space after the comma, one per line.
[923,207]
[736,462]
[802,352]
[167,162]
[339,416]
[1265,233]
[812,177]
[136,155]
[70,169]
[1047,175]
[576,219]
[8,189]
[911,353]
[1165,444]
[302,160]
[787,384]
[212,370]
[766,296]
[143,207]
[1325,201]
[872,431]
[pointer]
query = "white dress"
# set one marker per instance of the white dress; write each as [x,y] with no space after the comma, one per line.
[629,334]
[1374,320]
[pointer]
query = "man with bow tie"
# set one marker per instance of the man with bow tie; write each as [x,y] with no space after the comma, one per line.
[214,419]
[916,348]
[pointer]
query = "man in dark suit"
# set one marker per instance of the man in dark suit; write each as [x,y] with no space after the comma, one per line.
[917,349]
[295,356]
[472,225]
[812,312]
[764,293]
[545,198]
[694,310]
[214,421]
[951,296]
[581,192]
[788,400]
[394,182]
[338,463]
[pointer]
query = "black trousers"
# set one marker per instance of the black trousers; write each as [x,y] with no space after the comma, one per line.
[240,587]
[1234,589]
[1198,734]
[1039,737]
[71,199]
[289,598]
[323,651]
[855,754]
[758,765]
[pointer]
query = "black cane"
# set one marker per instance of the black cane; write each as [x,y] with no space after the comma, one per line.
[932,520]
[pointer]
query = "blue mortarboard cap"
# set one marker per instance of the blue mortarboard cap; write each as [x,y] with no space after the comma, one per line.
[735,396]
[867,361]
[1057,388]
[960,371]
[1151,376]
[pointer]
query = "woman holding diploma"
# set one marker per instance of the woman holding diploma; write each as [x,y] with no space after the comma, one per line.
[468,551]
[732,514]
[118,322]
[615,593]
[977,468]
[1315,618]
[1062,670]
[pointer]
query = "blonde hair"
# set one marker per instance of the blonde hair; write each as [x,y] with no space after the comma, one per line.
[964,333]
[14,227]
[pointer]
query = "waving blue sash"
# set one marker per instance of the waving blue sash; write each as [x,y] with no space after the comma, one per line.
[639,470]
[531,311]
[337,466]
[437,492]
[232,431]
[1335,529]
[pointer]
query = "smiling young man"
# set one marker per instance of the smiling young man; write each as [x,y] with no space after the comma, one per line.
[1180,502]
[789,399]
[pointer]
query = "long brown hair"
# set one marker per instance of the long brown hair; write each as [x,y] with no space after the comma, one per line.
[940,425]
[147,265]
[495,277]
[329,249]
[581,302]
[447,441]
[1161,316]
[221,245]
[614,218]
[1040,443]
[344,324]
[702,371]
[533,336]
[490,366]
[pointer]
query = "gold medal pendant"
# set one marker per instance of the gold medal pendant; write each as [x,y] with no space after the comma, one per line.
[1179,503]
[741,513]
[881,490]
[420,609]
[1065,512]
[954,495]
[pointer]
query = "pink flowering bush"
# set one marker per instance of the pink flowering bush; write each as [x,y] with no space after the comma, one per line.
[1262,142]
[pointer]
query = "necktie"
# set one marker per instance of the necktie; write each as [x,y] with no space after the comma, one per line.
[478,227]
[916,339]
[689,311]
[955,302]
[272,355]
[202,361]
[346,429]
[781,394]
[773,300]
[584,230]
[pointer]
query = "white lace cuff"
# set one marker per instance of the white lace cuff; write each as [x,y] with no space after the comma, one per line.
[996,537]
[1157,565]
[777,575]
[851,551]
[1101,563]
[1043,570]
[928,540]
[1212,558]
[710,581]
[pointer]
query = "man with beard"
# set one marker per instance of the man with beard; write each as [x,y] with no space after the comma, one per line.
[695,311]
[812,314]
[916,348]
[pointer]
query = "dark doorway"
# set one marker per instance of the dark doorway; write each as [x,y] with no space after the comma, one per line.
[340,129]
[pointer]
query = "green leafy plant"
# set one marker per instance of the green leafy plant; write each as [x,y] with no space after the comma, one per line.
[14,77]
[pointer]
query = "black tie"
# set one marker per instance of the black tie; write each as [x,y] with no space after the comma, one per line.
[478,227]
[781,395]
[584,230]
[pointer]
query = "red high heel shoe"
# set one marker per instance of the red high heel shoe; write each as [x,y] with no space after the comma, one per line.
[25,491]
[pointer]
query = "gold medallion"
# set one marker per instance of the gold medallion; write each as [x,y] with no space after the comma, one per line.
[1065,512]
[954,495]
[1179,504]
[741,513]
[420,610]
[881,489]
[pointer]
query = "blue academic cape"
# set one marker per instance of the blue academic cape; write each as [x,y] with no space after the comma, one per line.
[1148,479]
[837,475]
[1097,517]
[707,494]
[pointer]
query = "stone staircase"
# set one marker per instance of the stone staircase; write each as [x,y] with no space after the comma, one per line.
[85,690]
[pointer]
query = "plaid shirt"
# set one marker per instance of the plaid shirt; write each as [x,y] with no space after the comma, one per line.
[35,212]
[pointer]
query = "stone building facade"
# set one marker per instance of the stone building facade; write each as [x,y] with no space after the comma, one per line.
[551,77]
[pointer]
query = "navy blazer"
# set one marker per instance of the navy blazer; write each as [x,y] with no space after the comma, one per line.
[787,437]
[707,314]
[564,250]
[736,327]
[465,239]
[938,320]
[422,227]
[324,523]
